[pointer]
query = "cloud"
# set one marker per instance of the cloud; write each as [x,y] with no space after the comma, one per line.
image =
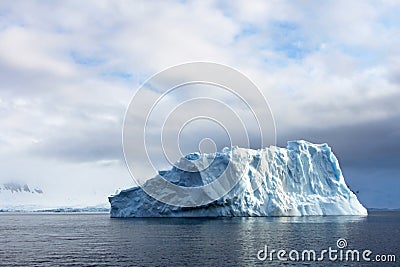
[328,69]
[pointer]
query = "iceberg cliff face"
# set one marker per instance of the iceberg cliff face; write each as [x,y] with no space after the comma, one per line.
[303,179]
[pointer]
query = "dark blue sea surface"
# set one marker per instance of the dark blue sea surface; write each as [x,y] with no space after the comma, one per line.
[36,239]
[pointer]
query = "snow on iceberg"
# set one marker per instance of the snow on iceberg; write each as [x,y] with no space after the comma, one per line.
[303,179]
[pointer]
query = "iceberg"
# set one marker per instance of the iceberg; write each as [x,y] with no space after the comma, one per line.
[299,180]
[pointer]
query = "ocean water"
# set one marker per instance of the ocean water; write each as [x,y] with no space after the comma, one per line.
[35,239]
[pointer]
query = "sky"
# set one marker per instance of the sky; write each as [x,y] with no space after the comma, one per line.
[330,71]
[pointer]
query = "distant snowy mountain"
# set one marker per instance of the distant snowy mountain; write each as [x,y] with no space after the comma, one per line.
[20,196]
[17,196]
[15,187]
[302,179]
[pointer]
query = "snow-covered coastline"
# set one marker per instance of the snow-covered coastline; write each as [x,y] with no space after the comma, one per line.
[100,208]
